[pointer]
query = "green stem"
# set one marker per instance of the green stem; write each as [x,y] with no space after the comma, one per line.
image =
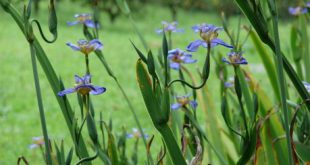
[169,40]
[87,64]
[40,105]
[132,109]
[205,73]
[279,63]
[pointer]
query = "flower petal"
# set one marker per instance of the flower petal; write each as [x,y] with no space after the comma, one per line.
[174,51]
[72,23]
[225,60]
[228,84]
[193,104]
[159,31]
[96,44]
[174,65]
[196,28]
[221,42]
[97,90]
[91,24]
[129,135]
[78,79]
[32,146]
[74,47]
[307,85]
[187,59]
[242,61]
[86,79]
[193,46]
[175,106]
[66,91]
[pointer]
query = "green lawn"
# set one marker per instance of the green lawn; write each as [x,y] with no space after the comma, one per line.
[19,117]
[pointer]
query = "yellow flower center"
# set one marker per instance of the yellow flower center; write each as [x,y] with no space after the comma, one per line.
[83,18]
[177,58]
[86,49]
[183,100]
[84,90]
[208,36]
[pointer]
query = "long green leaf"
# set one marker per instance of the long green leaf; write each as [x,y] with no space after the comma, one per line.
[267,62]
[245,92]
[50,74]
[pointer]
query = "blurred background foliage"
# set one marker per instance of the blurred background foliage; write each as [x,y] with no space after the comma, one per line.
[110,7]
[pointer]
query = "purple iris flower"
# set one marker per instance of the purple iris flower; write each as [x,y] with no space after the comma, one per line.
[37,142]
[235,58]
[297,10]
[307,85]
[183,101]
[85,19]
[209,34]
[136,134]
[308,4]
[85,46]
[83,86]
[169,27]
[177,57]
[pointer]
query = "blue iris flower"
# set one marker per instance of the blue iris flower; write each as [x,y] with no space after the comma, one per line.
[177,57]
[182,101]
[136,134]
[235,58]
[85,19]
[37,142]
[209,34]
[83,86]
[169,27]
[297,10]
[85,46]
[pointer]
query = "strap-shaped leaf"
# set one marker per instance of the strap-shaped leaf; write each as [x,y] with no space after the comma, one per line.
[141,55]
[145,84]
[267,62]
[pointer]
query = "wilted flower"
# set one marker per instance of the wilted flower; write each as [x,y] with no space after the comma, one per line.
[83,86]
[85,46]
[297,10]
[136,134]
[85,19]
[209,34]
[235,58]
[177,57]
[169,27]
[182,101]
[307,85]
[37,142]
